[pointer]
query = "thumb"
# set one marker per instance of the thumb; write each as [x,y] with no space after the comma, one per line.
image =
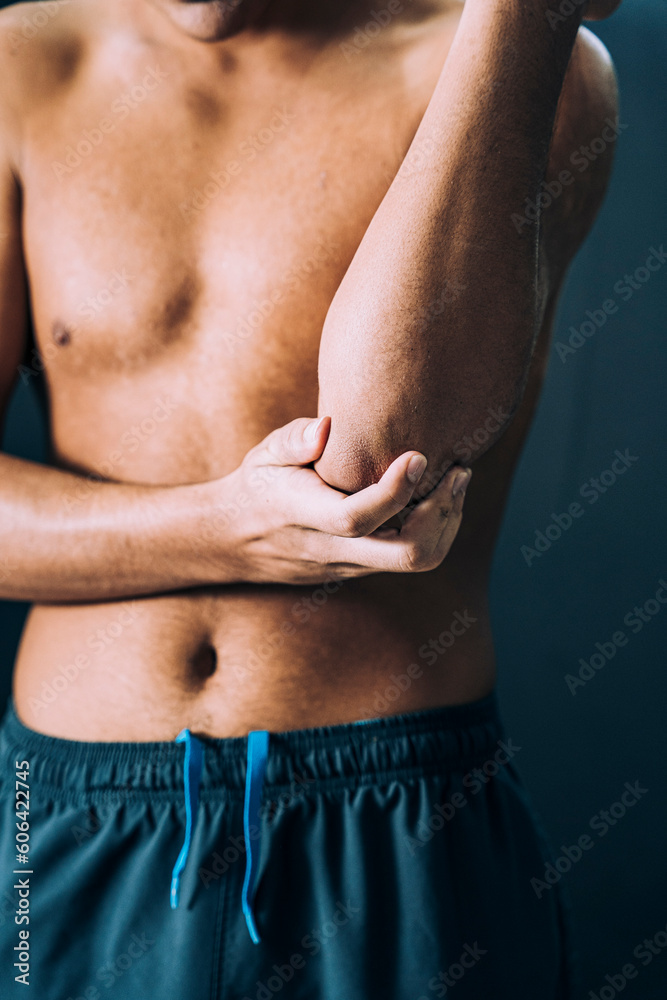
[300,442]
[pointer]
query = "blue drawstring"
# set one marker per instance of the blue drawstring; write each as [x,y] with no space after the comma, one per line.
[192,766]
[258,747]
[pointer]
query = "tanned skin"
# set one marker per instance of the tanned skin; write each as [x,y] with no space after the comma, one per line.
[251,242]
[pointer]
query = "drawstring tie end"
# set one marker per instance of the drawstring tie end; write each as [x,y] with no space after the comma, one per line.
[192,768]
[258,748]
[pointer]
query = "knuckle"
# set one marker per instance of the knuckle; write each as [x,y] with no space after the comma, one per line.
[343,573]
[398,501]
[350,523]
[414,557]
[290,435]
[273,444]
[331,557]
[250,460]
[420,557]
[326,554]
[282,445]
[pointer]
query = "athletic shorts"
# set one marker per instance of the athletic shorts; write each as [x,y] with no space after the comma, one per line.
[388,859]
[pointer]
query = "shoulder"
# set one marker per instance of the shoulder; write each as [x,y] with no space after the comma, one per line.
[584,140]
[35,35]
[41,48]
[589,95]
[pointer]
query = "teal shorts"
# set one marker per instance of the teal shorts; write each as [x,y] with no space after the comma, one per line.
[389,859]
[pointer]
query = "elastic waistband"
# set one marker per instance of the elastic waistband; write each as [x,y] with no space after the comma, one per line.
[449,739]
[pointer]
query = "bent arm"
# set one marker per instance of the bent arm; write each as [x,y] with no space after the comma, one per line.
[434,322]
[66,538]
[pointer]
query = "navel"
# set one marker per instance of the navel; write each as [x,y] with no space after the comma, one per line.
[203,664]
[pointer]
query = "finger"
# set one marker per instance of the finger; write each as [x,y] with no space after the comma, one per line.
[432,516]
[300,442]
[418,549]
[363,512]
[452,522]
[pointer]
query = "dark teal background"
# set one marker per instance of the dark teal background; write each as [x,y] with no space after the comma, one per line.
[579,749]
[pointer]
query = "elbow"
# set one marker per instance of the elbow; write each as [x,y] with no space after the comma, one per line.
[347,465]
[358,453]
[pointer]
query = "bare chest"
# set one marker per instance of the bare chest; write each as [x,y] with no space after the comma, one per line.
[158,214]
[191,234]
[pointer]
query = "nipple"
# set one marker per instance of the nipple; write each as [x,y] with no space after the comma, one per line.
[61,335]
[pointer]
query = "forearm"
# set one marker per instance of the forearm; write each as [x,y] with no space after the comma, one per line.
[67,538]
[436,317]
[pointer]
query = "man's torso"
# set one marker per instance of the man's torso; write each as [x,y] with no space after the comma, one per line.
[188,216]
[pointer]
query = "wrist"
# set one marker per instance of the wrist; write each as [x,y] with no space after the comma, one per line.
[205,531]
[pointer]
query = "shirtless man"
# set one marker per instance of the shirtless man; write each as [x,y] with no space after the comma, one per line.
[224,218]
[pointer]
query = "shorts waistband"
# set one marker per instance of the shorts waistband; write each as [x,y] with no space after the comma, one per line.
[453,738]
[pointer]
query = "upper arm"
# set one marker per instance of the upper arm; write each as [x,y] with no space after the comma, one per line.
[597,10]
[584,140]
[13,289]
